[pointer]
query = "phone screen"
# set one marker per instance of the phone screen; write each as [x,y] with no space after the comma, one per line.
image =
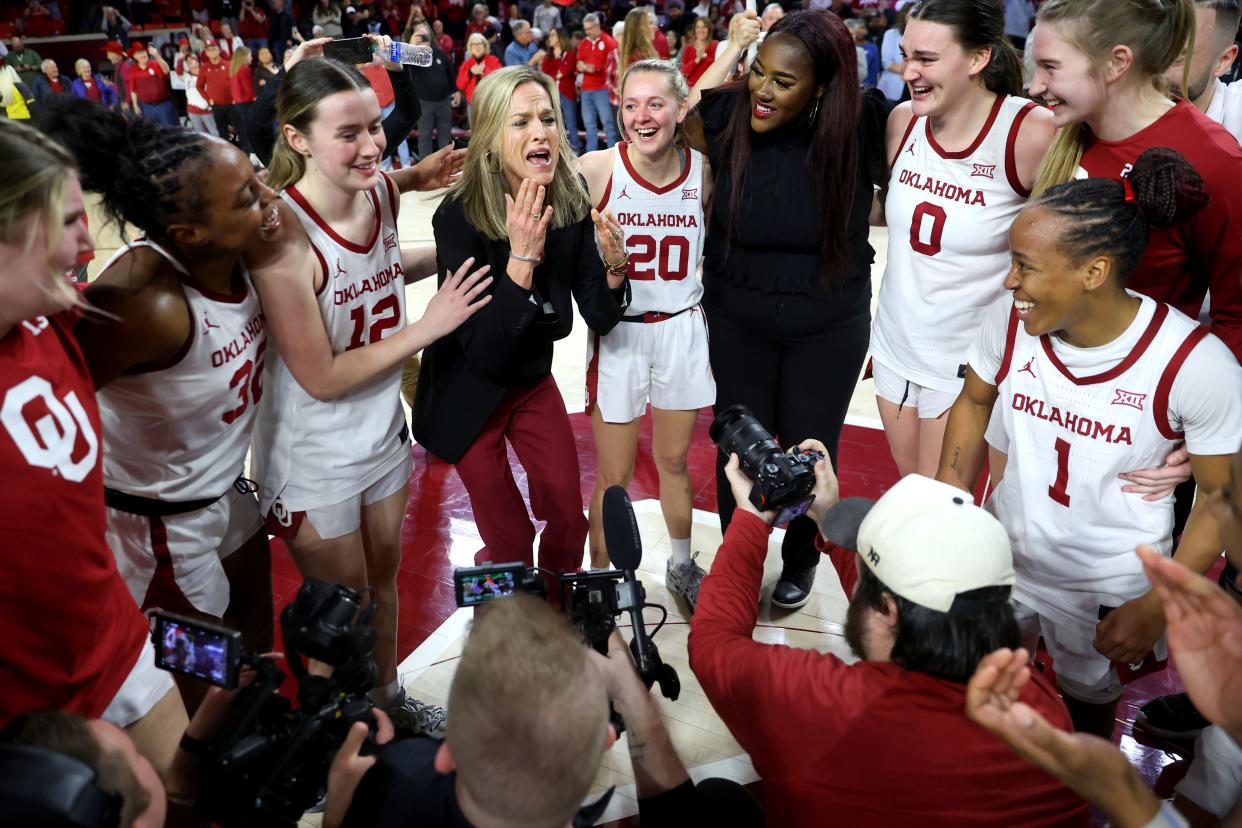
[193,648]
[352,50]
[474,588]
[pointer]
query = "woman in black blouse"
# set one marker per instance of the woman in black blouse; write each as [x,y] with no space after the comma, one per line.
[521,209]
[795,147]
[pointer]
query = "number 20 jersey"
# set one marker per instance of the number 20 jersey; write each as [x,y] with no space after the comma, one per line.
[312,453]
[664,232]
[180,431]
[1071,433]
[948,216]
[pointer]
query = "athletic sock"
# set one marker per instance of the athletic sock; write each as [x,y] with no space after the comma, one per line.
[681,550]
[384,696]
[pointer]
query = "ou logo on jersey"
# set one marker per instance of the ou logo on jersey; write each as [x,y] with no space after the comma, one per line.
[47,442]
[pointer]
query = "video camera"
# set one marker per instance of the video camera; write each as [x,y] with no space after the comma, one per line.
[783,481]
[592,600]
[269,763]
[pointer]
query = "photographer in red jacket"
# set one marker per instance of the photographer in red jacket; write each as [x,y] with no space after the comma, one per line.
[884,741]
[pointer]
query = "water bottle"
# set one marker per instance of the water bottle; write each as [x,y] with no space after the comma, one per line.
[410,54]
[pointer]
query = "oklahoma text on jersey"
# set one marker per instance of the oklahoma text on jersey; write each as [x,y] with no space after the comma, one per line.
[941,189]
[1082,426]
[377,282]
[223,356]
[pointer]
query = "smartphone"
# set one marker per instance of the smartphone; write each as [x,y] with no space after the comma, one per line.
[479,584]
[351,50]
[196,648]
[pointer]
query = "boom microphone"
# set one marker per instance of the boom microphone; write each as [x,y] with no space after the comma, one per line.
[625,545]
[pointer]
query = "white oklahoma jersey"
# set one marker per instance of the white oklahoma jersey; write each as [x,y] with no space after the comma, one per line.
[1076,418]
[659,351]
[948,216]
[308,453]
[175,442]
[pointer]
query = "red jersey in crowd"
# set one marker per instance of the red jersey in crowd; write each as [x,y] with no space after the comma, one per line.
[467,80]
[241,85]
[377,75]
[214,82]
[92,91]
[70,628]
[869,744]
[660,42]
[595,54]
[150,84]
[1182,263]
[124,70]
[564,71]
[693,65]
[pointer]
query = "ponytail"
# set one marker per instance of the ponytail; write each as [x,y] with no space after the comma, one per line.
[1105,217]
[144,171]
[1060,163]
[297,103]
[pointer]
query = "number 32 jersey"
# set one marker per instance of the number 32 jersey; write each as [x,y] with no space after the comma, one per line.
[311,453]
[1076,418]
[948,216]
[181,431]
[664,232]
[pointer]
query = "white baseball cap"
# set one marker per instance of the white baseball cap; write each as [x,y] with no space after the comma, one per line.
[929,543]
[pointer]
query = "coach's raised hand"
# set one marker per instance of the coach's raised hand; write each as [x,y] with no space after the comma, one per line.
[527,223]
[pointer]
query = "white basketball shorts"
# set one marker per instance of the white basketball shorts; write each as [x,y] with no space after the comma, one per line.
[174,562]
[664,363]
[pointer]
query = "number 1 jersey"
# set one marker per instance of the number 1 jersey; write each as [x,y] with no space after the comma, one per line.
[1076,418]
[311,453]
[948,216]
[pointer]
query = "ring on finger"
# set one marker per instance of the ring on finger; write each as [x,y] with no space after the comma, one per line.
[535,216]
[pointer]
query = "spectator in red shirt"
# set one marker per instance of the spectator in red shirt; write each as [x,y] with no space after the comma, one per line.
[884,741]
[593,57]
[150,94]
[215,83]
[478,23]
[478,63]
[49,82]
[562,64]
[699,50]
[241,80]
[443,39]
[252,25]
[121,68]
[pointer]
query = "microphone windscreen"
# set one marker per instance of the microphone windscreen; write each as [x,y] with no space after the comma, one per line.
[625,547]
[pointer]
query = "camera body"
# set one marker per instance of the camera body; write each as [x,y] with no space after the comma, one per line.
[269,763]
[783,481]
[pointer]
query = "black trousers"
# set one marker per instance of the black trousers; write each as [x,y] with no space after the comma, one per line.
[794,361]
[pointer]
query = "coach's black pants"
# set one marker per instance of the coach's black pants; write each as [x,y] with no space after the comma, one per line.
[794,361]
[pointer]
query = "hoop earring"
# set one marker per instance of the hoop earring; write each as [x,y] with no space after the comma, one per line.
[493,165]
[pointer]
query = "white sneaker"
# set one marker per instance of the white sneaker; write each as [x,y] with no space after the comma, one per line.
[685,579]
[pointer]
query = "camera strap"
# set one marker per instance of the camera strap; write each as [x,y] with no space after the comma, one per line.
[588,815]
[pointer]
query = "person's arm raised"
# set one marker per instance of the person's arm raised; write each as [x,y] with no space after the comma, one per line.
[285,279]
[743,31]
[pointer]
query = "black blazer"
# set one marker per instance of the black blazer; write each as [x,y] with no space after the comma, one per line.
[508,344]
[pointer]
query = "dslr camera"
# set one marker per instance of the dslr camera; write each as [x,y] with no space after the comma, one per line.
[783,481]
[269,763]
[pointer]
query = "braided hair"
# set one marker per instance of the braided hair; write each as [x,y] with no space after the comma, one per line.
[1110,218]
[147,174]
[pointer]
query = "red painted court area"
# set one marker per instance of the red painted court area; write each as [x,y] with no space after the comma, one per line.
[439,535]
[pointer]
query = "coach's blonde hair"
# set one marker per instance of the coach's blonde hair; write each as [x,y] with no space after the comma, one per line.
[483,183]
[1157,32]
[530,714]
[33,179]
[676,84]
[305,85]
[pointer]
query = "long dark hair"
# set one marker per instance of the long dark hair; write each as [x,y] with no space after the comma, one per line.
[833,153]
[148,174]
[978,24]
[1101,219]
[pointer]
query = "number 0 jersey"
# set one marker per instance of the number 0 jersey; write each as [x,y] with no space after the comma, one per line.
[181,431]
[664,231]
[1076,418]
[311,453]
[948,216]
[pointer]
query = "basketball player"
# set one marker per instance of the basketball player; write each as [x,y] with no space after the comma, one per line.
[74,640]
[963,154]
[331,447]
[177,359]
[656,187]
[1092,380]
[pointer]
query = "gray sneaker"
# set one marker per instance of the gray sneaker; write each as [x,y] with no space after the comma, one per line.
[414,718]
[685,579]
